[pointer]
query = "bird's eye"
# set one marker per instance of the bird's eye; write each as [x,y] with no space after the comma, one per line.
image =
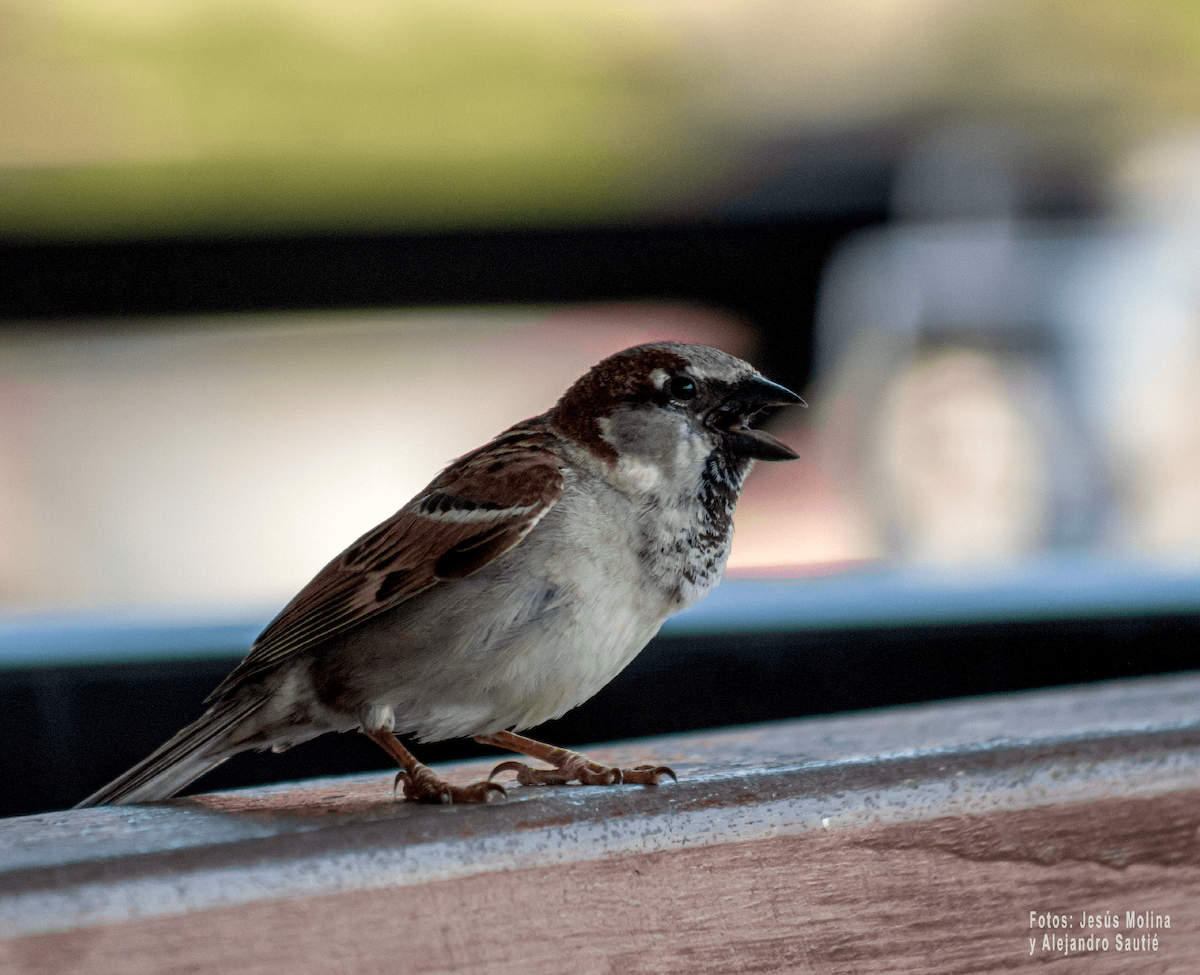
[682,388]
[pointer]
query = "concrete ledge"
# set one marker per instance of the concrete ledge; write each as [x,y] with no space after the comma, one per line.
[914,838]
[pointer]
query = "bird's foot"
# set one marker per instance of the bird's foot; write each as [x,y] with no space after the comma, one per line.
[570,766]
[422,784]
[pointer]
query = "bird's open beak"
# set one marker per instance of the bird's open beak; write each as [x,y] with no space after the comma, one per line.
[733,417]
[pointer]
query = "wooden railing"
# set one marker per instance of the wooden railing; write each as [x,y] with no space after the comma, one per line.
[976,836]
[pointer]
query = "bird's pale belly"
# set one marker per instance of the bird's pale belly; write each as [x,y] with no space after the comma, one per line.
[532,660]
[552,672]
[491,654]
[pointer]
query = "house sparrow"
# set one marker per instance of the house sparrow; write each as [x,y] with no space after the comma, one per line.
[513,588]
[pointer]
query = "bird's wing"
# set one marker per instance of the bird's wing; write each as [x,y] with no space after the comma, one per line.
[476,510]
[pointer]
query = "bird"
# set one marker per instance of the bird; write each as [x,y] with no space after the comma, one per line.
[511,589]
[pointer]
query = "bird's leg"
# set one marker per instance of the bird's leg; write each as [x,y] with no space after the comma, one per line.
[421,783]
[569,766]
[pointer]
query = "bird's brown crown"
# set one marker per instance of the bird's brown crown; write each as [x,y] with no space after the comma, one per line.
[629,377]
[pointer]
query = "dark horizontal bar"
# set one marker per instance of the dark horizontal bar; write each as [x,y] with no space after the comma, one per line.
[869,597]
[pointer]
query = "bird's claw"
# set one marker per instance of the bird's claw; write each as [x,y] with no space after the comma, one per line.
[578,769]
[527,775]
[425,786]
[648,774]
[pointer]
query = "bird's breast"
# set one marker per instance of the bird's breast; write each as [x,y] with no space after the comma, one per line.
[542,628]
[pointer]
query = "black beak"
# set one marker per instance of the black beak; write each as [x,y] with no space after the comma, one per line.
[732,418]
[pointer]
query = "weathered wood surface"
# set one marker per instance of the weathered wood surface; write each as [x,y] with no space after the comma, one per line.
[917,839]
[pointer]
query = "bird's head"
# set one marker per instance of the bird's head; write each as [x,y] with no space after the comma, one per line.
[661,412]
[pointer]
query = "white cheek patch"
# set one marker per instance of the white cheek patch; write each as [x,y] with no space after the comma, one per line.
[638,473]
[691,450]
[669,459]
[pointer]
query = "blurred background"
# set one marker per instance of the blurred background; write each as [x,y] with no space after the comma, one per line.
[265,269]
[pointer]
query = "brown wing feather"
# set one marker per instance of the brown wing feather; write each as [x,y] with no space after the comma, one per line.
[474,511]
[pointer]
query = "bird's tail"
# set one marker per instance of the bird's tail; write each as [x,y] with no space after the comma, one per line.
[201,746]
